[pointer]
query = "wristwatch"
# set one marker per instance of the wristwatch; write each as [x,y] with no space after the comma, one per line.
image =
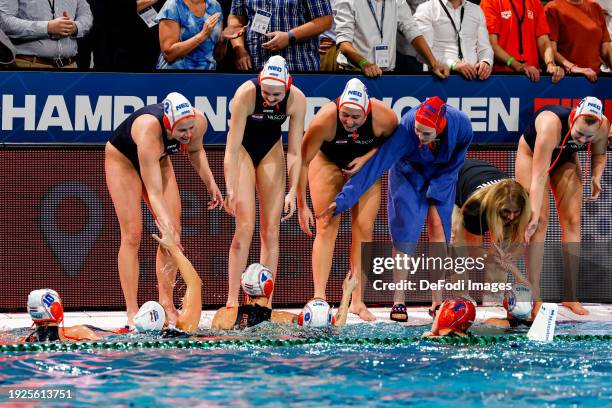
[292,39]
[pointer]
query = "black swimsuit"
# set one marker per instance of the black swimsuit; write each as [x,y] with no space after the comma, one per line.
[475,174]
[123,141]
[567,151]
[251,315]
[347,146]
[263,126]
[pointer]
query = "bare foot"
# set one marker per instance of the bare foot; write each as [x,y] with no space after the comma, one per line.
[362,311]
[576,307]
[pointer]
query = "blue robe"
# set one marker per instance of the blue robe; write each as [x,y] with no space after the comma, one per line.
[417,177]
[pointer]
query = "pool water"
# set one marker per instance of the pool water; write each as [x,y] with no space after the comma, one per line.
[420,374]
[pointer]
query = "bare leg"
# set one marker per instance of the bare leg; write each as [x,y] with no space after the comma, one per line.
[567,188]
[436,236]
[245,225]
[325,181]
[125,188]
[535,250]
[363,217]
[271,189]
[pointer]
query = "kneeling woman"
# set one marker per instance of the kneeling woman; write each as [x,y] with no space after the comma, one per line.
[488,200]
[257,283]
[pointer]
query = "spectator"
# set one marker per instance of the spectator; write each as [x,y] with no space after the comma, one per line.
[328,51]
[367,32]
[517,32]
[45,32]
[96,43]
[289,28]
[135,43]
[457,33]
[406,56]
[579,36]
[189,31]
[7,49]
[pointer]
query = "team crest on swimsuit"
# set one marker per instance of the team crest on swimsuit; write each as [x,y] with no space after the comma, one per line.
[257,116]
[530,14]
[506,14]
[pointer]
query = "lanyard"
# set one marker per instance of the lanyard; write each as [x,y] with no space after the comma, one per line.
[382,17]
[520,22]
[455,27]
[52,5]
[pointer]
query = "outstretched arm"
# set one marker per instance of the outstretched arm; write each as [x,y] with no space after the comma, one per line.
[401,143]
[350,283]
[199,161]
[189,316]
[297,113]
[241,108]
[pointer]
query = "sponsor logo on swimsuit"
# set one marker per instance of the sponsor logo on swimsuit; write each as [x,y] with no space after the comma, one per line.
[530,14]
[506,14]
[277,117]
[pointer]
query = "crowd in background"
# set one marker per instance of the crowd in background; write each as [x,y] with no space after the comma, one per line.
[371,36]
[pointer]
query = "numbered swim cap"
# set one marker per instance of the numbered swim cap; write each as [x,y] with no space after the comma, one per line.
[150,317]
[589,106]
[518,301]
[275,72]
[432,113]
[457,314]
[317,313]
[355,95]
[257,281]
[176,109]
[45,305]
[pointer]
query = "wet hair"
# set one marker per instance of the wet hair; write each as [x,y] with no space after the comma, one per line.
[491,200]
[43,332]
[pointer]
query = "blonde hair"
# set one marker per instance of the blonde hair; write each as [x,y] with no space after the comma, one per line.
[491,200]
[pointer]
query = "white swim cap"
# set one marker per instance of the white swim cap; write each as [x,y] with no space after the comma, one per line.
[45,305]
[518,301]
[275,73]
[150,317]
[176,108]
[317,313]
[355,95]
[590,106]
[257,281]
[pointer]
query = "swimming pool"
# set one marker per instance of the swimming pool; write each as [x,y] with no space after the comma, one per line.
[419,374]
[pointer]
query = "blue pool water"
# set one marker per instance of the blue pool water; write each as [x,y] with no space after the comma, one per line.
[420,374]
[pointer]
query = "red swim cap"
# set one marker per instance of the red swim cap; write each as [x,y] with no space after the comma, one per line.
[432,113]
[457,314]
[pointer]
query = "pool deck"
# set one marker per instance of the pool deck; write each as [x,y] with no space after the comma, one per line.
[417,316]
